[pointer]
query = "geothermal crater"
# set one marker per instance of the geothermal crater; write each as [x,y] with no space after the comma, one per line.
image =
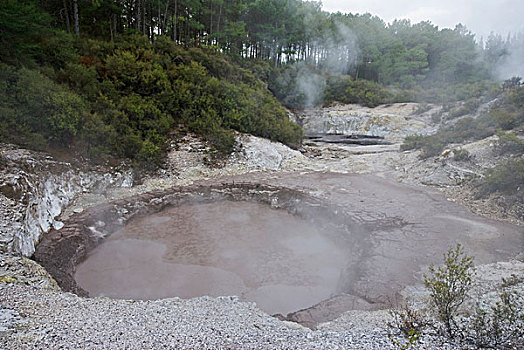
[309,245]
[281,261]
[278,247]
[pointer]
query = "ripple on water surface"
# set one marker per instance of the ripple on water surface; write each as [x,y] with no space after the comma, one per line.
[278,260]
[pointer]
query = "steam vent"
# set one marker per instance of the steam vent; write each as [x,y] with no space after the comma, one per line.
[304,247]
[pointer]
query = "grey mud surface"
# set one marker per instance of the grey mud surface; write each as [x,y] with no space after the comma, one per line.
[398,231]
[265,255]
[403,229]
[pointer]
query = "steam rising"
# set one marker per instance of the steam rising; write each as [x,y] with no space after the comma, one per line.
[310,85]
[342,50]
[512,63]
[338,54]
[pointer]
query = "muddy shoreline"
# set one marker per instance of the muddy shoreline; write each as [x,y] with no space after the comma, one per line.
[396,230]
[60,251]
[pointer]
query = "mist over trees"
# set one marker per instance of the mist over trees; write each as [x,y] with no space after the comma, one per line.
[283,31]
[505,56]
[312,52]
[116,76]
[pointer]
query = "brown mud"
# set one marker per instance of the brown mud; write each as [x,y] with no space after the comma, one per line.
[269,256]
[390,232]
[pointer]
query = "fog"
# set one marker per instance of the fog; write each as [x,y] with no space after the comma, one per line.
[512,64]
[342,52]
[479,16]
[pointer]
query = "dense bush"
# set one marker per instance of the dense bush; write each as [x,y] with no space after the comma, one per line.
[460,91]
[469,107]
[300,85]
[123,99]
[507,177]
[509,143]
[460,154]
[36,111]
[346,90]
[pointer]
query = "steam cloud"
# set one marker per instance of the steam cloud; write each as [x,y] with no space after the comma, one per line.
[512,64]
[340,52]
[310,84]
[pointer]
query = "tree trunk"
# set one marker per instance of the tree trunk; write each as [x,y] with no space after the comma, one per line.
[159,21]
[164,24]
[210,30]
[139,15]
[115,24]
[75,14]
[68,22]
[219,17]
[144,24]
[175,21]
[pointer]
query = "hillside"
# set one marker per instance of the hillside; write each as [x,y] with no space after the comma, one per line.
[112,80]
[124,98]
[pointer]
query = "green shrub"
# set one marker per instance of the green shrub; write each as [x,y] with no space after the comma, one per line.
[470,107]
[460,154]
[507,113]
[149,155]
[447,93]
[449,285]
[364,92]
[500,326]
[123,98]
[509,143]
[505,119]
[412,142]
[431,145]
[507,177]
[410,322]
[34,105]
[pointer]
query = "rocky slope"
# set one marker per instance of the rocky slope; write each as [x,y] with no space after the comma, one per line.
[393,122]
[35,188]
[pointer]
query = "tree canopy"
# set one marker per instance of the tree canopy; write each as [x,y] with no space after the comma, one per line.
[120,74]
[361,45]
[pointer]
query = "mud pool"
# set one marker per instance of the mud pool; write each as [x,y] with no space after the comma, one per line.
[321,243]
[269,256]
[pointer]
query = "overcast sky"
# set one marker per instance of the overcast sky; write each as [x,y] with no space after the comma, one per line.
[479,16]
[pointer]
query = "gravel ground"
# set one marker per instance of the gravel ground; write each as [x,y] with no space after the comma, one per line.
[43,319]
[35,314]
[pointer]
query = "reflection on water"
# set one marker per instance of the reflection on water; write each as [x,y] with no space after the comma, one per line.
[269,256]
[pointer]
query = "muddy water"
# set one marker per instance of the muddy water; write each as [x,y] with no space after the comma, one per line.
[281,262]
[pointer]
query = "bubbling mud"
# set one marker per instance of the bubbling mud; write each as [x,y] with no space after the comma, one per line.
[280,261]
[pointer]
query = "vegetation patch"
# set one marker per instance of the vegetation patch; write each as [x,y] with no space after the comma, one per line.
[112,79]
[507,178]
[496,323]
[506,114]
